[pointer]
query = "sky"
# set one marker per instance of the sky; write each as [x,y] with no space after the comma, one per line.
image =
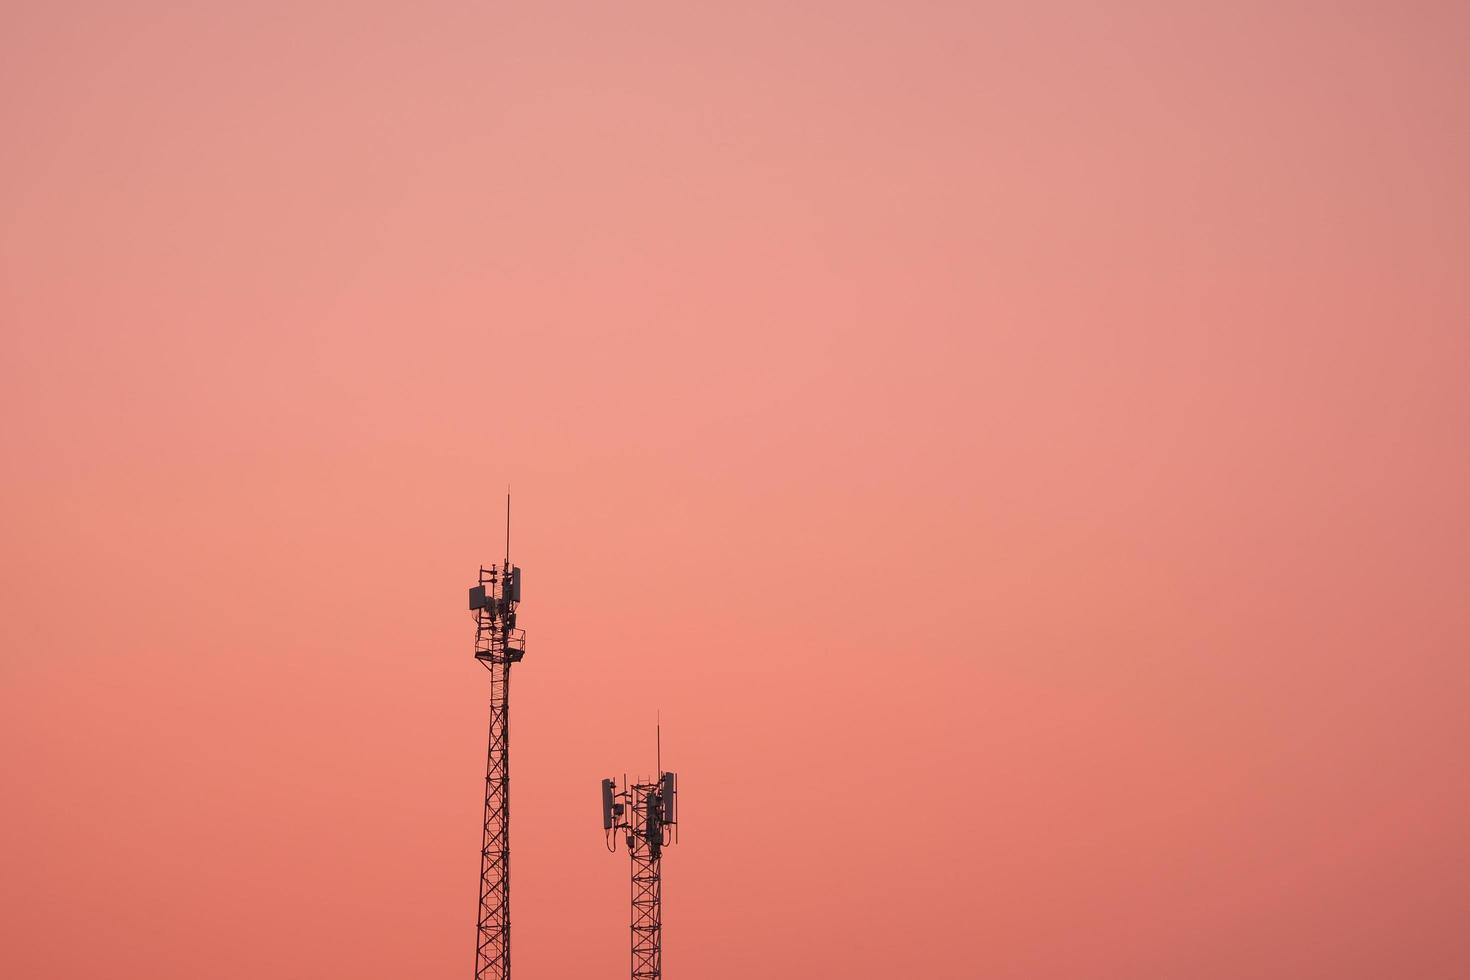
[1018,450]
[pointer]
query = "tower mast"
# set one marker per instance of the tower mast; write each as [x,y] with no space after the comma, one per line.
[498,644]
[646,815]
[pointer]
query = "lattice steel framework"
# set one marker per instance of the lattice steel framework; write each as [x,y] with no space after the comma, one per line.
[645,814]
[498,644]
[647,897]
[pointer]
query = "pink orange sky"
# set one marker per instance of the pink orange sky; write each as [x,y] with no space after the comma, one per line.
[1020,448]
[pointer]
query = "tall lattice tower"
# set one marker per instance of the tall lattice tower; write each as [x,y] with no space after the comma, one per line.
[646,814]
[498,644]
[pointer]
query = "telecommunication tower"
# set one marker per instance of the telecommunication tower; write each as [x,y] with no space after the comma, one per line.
[498,644]
[646,814]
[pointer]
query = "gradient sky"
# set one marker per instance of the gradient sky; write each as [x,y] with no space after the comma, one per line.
[1020,448]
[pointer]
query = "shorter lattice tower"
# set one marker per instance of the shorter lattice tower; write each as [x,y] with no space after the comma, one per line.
[646,815]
